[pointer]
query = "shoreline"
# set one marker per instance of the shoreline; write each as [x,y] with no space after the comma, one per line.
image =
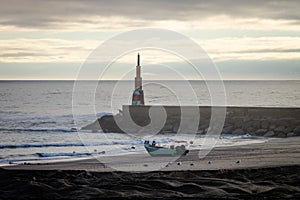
[272,153]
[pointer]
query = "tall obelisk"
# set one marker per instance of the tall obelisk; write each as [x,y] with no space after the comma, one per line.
[138,93]
[138,78]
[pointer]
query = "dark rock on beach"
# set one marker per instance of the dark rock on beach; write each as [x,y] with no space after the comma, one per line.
[291,134]
[279,129]
[227,130]
[238,132]
[270,134]
[261,132]
[297,130]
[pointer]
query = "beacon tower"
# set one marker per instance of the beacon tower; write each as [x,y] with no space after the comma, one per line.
[138,93]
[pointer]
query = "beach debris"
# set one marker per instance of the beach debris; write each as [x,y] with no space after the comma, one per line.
[26,163]
[10,162]
[133,147]
[192,164]
[179,163]
[145,165]
[210,162]
[238,162]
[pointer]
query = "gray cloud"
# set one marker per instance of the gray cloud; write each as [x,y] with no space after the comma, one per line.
[38,13]
[268,51]
[22,55]
[273,68]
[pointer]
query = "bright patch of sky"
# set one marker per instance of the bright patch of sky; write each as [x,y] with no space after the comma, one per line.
[246,40]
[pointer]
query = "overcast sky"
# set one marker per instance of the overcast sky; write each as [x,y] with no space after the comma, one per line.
[50,39]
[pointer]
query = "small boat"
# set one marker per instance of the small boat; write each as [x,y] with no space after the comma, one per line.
[155,150]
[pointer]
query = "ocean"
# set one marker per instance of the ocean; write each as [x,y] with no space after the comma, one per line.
[37,124]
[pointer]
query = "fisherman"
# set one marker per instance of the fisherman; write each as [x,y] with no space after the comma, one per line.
[153,143]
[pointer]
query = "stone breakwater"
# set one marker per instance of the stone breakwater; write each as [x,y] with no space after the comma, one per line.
[258,121]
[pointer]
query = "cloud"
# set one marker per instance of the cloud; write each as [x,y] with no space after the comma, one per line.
[264,70]
[135,13]
[44,50]
[228,23]
[249,48]
[222,49]
[16,55]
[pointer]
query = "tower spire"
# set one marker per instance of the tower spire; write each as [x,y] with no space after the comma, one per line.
[138,77]
[138,93]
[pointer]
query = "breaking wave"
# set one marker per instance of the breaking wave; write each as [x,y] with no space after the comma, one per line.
[132,142]
[62,154]
[38,130]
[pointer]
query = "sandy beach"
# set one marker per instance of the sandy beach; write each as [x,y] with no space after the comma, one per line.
[274,152]
[262,170]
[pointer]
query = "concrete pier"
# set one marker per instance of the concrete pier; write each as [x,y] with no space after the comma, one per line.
[260,121]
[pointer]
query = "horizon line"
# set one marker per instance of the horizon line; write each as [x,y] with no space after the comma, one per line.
[150,80]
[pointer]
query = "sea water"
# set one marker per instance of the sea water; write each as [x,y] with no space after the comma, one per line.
[37,124]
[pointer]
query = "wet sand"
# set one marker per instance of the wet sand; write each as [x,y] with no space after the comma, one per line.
[274,152]
[263,170]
